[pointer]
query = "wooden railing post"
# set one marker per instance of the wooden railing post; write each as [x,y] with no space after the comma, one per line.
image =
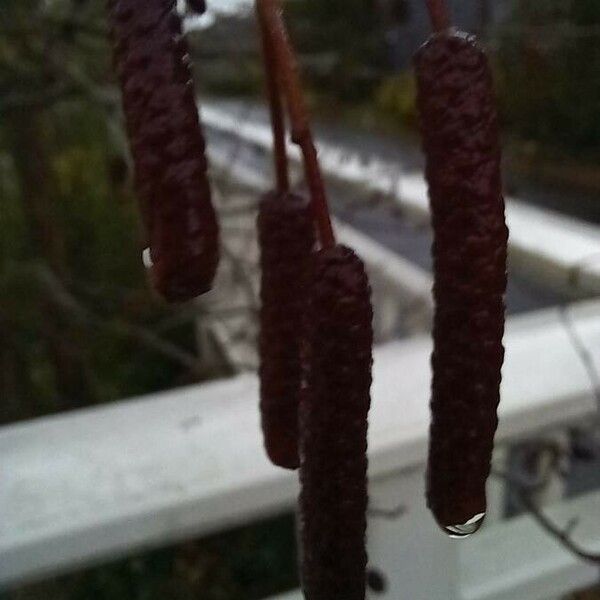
[407,550]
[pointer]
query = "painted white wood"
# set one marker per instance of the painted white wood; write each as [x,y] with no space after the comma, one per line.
[401,290]
[95,484]
[496,488]
[553,249]
[517,559]
[511,560]
[417,560]
[402,299]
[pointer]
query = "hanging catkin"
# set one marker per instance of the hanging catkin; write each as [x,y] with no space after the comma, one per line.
[286,238]
[460,139]
[167,145]
[333,428]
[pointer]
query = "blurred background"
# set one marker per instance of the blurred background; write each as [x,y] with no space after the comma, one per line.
[78,322]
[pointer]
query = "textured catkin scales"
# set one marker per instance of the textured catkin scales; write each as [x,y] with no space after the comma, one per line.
[460,137]
[167,145]
[333,428]
[286,238]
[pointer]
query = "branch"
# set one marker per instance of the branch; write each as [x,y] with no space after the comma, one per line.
[19,100]
[241,275]
[270,14]
[584,353]
[439,15]
[275,107]
[389,514]
[69,24]
[71,307]
[76,25]
[61,91]
[562,536]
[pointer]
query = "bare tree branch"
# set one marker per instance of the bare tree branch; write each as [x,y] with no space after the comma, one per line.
[65,24]
[70,306]
[523,491]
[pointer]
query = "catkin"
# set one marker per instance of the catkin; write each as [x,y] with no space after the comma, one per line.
[152,63]
[333,428]
[286,239]
[459,127]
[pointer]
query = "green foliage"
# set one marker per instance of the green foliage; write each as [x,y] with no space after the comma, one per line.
[72,289]
[343,40]
[395,97]
[346,25]
[549,73]
[68,210]
[247,564]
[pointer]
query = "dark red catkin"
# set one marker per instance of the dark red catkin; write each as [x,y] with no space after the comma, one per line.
[167,145]
[286,237]
[461,144]
[333,428]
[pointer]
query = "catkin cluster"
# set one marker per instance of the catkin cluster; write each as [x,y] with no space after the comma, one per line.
[286,237]
[333,428]
[460,137]
[167,145]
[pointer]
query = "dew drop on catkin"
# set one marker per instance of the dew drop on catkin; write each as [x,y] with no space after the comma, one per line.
[459,128]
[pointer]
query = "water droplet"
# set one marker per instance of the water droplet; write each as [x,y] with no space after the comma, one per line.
[464,530]
[147,259]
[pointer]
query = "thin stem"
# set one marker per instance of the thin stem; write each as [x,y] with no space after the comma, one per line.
[439,15]
[288,70]
[275,108]
[562,536]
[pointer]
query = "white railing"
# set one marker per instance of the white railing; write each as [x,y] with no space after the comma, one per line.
[87,486]
[554,250]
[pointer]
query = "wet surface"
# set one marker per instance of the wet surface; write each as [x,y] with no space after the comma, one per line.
[378,218]
[406,152]
[414,242]
[385,222]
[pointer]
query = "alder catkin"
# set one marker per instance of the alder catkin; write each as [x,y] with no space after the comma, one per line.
[167,145]
[333,428]
[286,238]
[459,127]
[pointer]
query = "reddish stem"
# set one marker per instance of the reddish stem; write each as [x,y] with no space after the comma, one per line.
[439,15]
[288,70]
[275,108]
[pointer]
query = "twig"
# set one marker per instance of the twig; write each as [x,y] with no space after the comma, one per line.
[439,15]
[69,305]
[241,275]
[388,514]
[584,354]
[562,536]
[57,93]
[70,25]
[31,100]
[194,312]
[287,64]
[275,107]
[76,25]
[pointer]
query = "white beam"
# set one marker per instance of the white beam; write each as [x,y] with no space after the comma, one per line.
[518,559]
[93,484]
[514,559]
[550,248]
